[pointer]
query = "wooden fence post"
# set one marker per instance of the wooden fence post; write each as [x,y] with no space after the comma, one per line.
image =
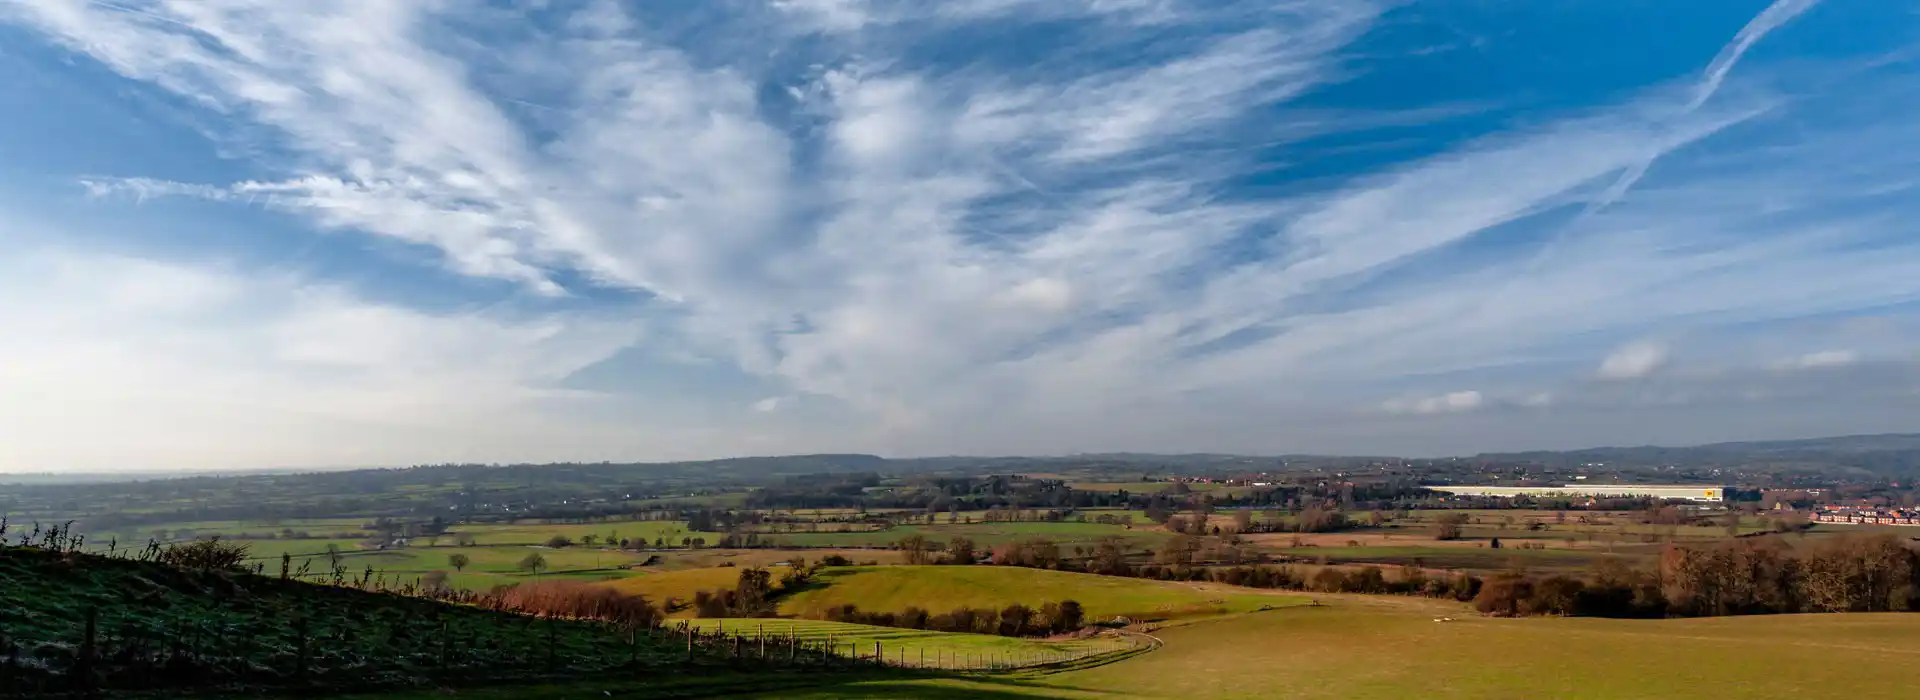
[81,675]
[551,633]
[300,656]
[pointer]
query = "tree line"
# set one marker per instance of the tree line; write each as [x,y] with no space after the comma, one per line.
[1016,620]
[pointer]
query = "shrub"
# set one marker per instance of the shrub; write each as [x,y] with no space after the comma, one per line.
[1506,595]
[575,599]
[205,555]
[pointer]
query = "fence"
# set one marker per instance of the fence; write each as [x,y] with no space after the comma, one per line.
[915,649]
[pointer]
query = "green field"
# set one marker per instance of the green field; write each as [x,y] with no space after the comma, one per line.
[942,588]
[1355,649]
[539,533]
[487,566]
[1466,558]
[681,585]
[1067,534]
[928,649]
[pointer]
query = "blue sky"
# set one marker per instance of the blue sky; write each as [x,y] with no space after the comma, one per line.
[248,234]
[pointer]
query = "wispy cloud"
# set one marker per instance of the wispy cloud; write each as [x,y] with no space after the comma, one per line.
[1824,358]
[1452,402]
[1111,231]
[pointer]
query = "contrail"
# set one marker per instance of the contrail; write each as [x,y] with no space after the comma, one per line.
[1775,16]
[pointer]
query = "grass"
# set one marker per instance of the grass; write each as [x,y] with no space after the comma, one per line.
[658,587]
[1388,649]
[983,534]
[942,588]
[1465,558]
[241,629]
[539,533]
[317,527]
[923,648]
[487,566]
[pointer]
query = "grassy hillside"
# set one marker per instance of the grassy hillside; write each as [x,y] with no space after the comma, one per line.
[941,588]
[164,628]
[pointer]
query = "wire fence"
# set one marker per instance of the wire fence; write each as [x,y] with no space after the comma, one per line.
[915,649]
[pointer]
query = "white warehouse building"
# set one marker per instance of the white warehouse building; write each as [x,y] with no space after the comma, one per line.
[1714,494]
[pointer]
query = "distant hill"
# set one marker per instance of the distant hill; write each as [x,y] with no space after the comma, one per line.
[1888,455]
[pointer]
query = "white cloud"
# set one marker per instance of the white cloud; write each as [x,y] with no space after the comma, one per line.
[115,362]
[1824,358]
[1634,361]
[1453,402]
[1000,253]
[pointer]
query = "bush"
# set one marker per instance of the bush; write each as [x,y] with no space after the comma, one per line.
[205,555]
[1506,595]
[560,542]
[574,599]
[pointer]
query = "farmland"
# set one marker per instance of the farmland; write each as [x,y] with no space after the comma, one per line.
[1358,648]
[678,585]
[983,534]
[928,649]
[938,588]
[1461,558]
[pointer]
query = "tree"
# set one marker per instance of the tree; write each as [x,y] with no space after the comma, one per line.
[1242,520]
[918,550]
[463,539]
[588,540]
[533,563]
[1071,616]
[1014,620]
[458,561]
[1110,557]
[434,581]
[960,551]
[1448,526]
[1506,595]
[559,541]
[752,593]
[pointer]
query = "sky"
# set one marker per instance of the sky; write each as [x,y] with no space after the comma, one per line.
[262,234]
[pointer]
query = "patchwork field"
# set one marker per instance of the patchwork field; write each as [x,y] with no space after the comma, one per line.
[942,588]
[1143,534]
[1453,557]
